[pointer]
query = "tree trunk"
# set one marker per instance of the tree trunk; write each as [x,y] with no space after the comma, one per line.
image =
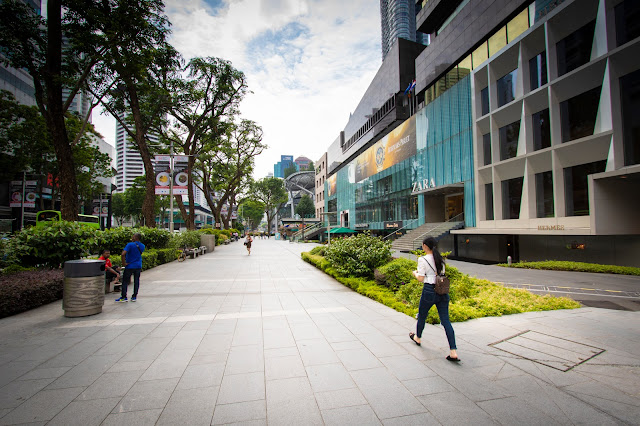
[183,210]
[191,218]
[55,115]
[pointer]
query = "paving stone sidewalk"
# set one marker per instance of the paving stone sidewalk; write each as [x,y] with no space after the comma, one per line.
[267,339]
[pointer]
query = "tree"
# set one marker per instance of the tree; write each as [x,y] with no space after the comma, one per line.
[252,211]
[136,58]
[134,199]
[291,169]
[311,166]
[118,208]
[305,208]
[34,44]
[204,99]
[227,165]
[269,191]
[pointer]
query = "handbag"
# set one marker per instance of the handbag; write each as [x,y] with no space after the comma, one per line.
[442,281]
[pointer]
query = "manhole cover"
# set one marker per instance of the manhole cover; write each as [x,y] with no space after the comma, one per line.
[554,352]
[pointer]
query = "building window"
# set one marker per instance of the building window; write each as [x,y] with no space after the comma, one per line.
[509,140]
[630,94]
[538,70]
[544,194]
[507,88]
[576,188]
[578,115]
[486,148]
[541,130]
[488,200]
[627,21]
[575,49]
[511,198]
[484,98]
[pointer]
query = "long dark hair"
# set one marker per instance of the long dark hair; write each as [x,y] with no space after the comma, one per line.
[431,243]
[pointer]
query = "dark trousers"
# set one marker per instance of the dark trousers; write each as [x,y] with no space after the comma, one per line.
[126,278]
[111,275]
[427,300]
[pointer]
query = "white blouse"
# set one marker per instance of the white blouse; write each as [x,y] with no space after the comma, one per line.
[428,270]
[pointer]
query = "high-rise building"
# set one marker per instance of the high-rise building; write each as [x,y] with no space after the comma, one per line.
[129,163]
[398,20]
[281,166]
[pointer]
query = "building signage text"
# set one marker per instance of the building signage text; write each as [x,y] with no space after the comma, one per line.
[550,227]
[425,184]
[393,225]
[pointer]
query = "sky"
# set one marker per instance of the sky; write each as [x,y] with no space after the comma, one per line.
[307,63]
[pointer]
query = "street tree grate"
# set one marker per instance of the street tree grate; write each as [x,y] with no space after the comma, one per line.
[554,352]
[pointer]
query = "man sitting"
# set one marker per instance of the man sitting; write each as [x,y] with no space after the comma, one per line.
[110,270]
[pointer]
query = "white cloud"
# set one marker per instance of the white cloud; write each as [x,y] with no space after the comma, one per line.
[307,63]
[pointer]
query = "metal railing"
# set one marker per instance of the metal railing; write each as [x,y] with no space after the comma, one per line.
[307,230]
[445,226]
[404,227]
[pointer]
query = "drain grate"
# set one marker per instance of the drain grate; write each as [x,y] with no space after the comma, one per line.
[554,352]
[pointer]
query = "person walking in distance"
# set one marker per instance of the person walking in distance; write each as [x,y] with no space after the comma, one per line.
[247,242]
[430,265]
[132,264]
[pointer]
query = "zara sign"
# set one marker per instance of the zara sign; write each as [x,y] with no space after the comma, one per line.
[425,184]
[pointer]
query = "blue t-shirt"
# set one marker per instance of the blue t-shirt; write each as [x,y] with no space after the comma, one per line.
[134,256]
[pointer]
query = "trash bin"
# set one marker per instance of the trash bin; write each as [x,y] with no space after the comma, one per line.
[83,291]
[209,241]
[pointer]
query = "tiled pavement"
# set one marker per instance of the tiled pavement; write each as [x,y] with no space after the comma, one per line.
[267,339]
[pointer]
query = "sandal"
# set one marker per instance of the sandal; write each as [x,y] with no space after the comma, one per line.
[450,358]
[411,336]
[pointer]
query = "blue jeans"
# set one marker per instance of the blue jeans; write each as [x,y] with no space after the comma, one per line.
[427,300]
[126,278]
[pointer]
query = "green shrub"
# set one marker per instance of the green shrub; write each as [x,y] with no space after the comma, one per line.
[358,255]
[320,250]
[187,238]
[149,259]
[167,255]
[470,297]
[396,273]
[557,265]
[15,268]
[54,244]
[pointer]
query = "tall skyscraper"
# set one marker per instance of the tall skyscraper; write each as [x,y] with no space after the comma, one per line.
[129,163]
[398,19]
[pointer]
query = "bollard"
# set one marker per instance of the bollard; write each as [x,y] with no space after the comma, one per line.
[509,260]
[83,291]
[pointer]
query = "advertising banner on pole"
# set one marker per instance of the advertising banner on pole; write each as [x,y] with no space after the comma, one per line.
[180,177]
[105,207]
[30,196]
[162,169]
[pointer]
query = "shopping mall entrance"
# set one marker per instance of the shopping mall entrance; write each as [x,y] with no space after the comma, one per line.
[443,203]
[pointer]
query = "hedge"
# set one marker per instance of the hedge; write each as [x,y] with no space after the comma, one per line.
[560,265]
[26,290]
[470,297]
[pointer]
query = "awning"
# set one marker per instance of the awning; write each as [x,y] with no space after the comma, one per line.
[342,230]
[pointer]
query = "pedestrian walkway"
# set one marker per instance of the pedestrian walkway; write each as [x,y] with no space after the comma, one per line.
[268,339]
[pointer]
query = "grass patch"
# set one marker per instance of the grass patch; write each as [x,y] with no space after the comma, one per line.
[470,297]
[561,265]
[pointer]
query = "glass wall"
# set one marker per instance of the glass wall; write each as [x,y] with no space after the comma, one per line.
[538,70]
[488,200]
[507,88]
[509,140]
[541,130]
[630,95]
[627,21]
[574,50]
[576,187]
[484,99]
[486,148]
[578,115]
[544,194]
[511,198]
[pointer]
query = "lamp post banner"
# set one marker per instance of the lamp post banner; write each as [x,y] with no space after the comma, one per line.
[162,169]
[180,177]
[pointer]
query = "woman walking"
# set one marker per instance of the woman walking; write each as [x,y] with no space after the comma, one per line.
[247,242]
[430,265]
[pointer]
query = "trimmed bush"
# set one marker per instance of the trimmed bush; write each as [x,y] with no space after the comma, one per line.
[396,273]
[26,290]
[15,268]
[54,244]
[470,297]
[358,255]
[557,265]
[320,250]
[187,238]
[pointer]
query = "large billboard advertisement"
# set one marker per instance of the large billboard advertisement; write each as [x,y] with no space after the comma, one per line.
[331,185]
[397,146]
